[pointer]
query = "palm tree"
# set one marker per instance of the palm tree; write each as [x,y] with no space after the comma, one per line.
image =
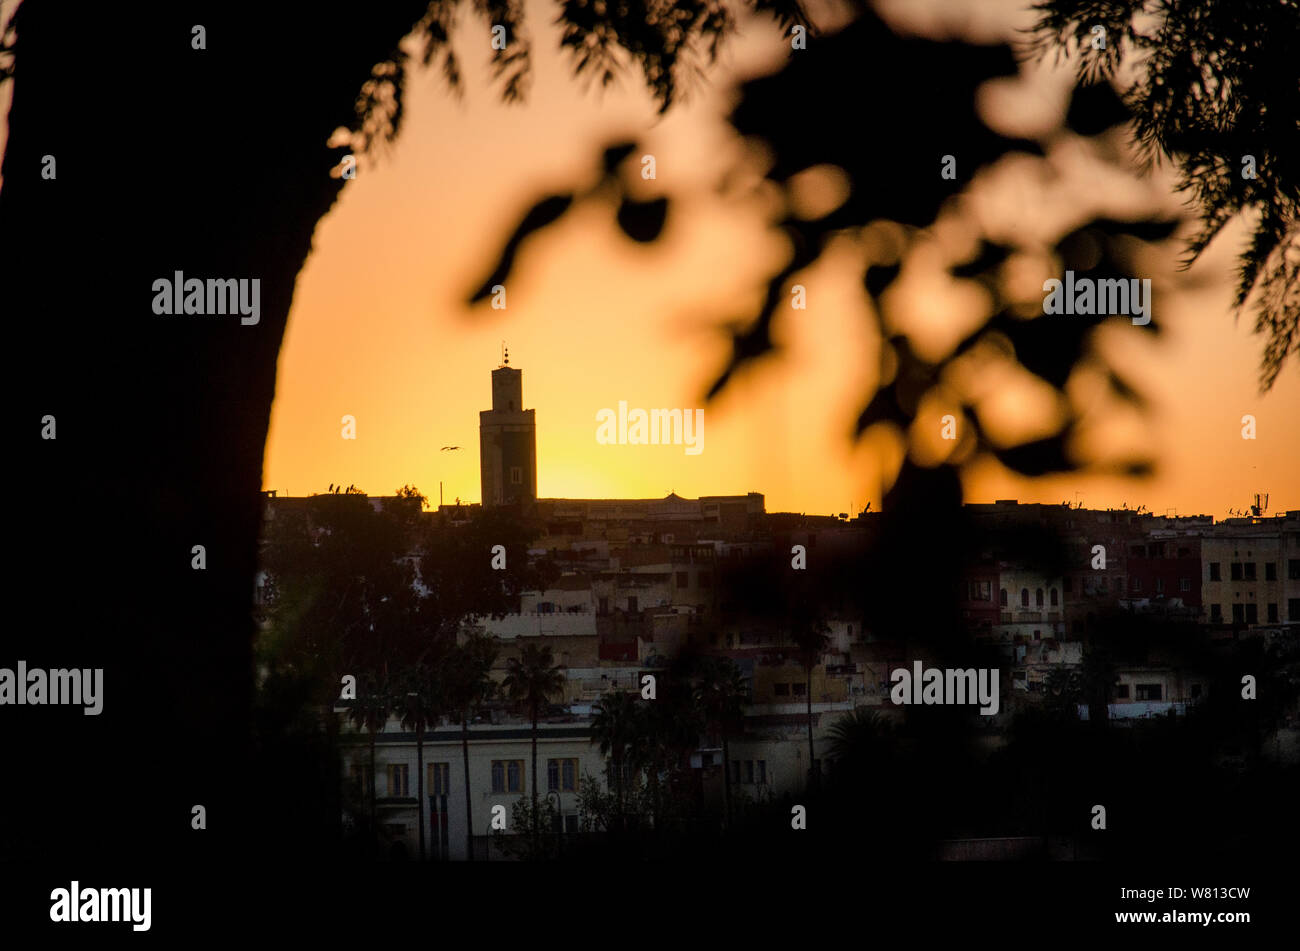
[468,687]
[858,739]
[370,712]
[1098,676]
[531,679]
[674,724]
[419,707]
[721,693]
[808,631]
[619,722]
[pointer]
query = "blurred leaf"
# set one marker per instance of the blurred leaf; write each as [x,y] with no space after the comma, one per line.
[989,257]
[883,408]
[539,216]
[920,96]
[1038,458]
[1124,390]
[879,277]
[1094,109]
[642,220]
[1147,229]
[615,154]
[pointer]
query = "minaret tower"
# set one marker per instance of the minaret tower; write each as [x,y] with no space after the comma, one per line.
[507,440]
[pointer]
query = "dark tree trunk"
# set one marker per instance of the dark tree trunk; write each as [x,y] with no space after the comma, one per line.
[618,788]
[161,420]
[726,783]
[374,829]
[536,839]
[419,785]
[812,763]
[469,807]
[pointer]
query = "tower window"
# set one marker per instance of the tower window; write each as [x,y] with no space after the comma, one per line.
[516,475]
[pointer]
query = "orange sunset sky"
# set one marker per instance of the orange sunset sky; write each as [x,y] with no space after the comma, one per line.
[379,327]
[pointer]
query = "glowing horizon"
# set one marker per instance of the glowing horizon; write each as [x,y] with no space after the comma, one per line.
[379,329]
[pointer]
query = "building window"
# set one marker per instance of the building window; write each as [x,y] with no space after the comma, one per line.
[516,475]
[1024,597]
[1067,584]
[1038,635]
[706,579]
[1250,571]
[799,689]
[631,604]
[1293,569]
[399,779]
[1149,692]
[981,590]
[1160,586]
[1121,691]
[507,775]
[1293,609]
[1196,692]
[749,771]
[1216,613]
[1184,584]
[1002,597]
[1038,598]
[603,607]
[1238,613]
[781,690]
[762,771]
[683,580]
[1214,572]
[1272,614]
[735,770]
[1055,598]
[439,779]
[562,775]
[1270,571]
[1236,571]
[1135,584]
[1252,614]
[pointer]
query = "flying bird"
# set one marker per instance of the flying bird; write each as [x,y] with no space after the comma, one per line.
[445,448]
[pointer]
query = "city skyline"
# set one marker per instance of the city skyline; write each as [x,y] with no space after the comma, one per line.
[379,327]
[1267,501]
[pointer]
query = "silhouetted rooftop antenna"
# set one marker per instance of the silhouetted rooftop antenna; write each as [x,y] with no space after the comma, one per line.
[505,354]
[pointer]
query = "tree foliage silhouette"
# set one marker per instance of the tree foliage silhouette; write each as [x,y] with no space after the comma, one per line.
[930,113]
[1214,82]
[238,176]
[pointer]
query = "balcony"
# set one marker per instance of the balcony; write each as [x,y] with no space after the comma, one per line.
[1028,617]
